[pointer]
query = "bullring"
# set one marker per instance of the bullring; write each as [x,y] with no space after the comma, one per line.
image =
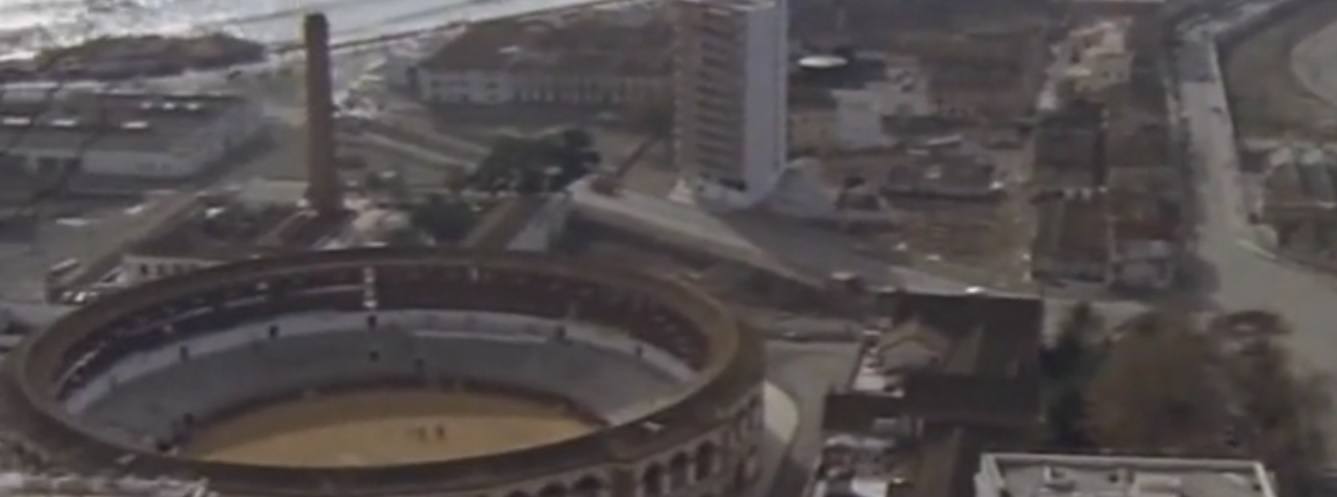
[643,385]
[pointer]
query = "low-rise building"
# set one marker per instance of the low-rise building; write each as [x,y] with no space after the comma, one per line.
[1147,239]
[1137,151]
[586,61]
[1300,185]
[922,172]
[224,228]
[812,120]
[904,92]
[949,375]
[1300,201]
[1149,18]
[1099,58]
[1060,475]
[1068,148]
[953,175]
[1072,239]
[838,103]
[978,76]
[123,134]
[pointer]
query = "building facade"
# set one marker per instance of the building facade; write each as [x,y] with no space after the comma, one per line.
[580,62]
[1100,59]
[135,135]
[730,89]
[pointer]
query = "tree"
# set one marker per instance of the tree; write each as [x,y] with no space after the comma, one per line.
[1067,417]
[532,165]
[1279,410]
[405,237]
[1070,349]
[1219,391]
[1157,390]
[444,220]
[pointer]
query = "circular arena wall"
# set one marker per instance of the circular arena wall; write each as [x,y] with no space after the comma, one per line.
[698,438]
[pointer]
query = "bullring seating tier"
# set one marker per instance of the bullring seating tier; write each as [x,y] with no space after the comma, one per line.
[608,385]
[718,407]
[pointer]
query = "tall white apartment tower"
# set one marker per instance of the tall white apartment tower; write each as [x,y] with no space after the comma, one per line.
[731,69]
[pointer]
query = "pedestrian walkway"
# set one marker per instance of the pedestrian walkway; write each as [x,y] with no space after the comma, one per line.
[781,423]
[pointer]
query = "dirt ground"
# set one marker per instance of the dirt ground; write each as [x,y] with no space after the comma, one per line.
[1266,97]
[384,427]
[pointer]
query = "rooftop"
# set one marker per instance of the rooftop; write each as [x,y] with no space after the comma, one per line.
[921,438]
[952,175]
[30,485]
[1136,143]
[865,23]
[972,61]
[1143,216]
[1302,175]
[1042,475]
[1101,38]
[1073,228]
[225,229]
[106,120]
[582,47]
[1067,146]
[854,73]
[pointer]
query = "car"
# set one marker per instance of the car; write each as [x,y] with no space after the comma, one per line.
[975,290]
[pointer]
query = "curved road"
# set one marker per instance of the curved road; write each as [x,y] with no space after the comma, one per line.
[1234,273]
[1312,62]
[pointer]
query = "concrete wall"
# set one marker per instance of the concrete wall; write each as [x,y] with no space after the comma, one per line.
[140,268]
[544,227]
[432,325]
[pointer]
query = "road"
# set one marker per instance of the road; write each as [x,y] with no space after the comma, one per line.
[1311,61]
[1233,272]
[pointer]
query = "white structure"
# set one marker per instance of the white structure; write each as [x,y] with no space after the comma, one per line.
[731,76]
[1035,475]
[859,120]
[15,484]
[905,93]
[139,135]
[1100,57]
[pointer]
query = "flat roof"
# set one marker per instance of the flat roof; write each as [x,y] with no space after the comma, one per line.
[16,484]
[98,120]
[1144,215]
[1058,475]
[984,393]
[1073,228]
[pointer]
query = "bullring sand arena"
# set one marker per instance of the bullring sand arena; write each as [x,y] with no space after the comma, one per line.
[373,428]
[402,372]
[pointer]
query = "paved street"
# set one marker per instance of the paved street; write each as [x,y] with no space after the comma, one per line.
[1234,273]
